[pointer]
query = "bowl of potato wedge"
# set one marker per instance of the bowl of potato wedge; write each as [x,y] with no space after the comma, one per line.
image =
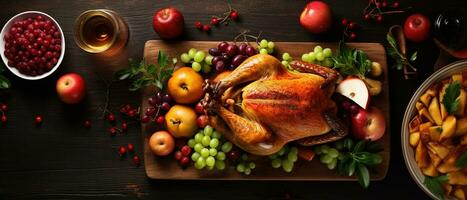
[434,133]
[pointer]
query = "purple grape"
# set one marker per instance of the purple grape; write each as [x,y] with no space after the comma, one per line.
[220,66]
[250,51]
[238,59]
[222,47]
[232,50]
[167,98]
[242,49]
[225,58]
[214,52]
[216,59]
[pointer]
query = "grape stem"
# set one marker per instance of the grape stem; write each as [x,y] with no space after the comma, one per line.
[375,11]
[225,16]
[246,36]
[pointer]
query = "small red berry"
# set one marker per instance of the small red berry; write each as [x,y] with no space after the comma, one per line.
[214,21]
[344,22]
[178,155]
[122,150]
[367,17]
[206,28]
[38,119]
[234,15]
[87,124]
[4,107]
[353,36]
[112,131]
[160,120]
[379,18]
[186,150]
[145,119]
[130,147]
[198,25]
[384,4]
[378,4]
[165,106]
[4,119]
[124,126]
[136,160]
[131,113]
[111,117]
[395,4]
[199,109]
[352,25]
[184,161]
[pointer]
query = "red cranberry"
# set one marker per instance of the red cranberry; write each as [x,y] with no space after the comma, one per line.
[3,107]
[379,18]
[186,150]
[214,21]
[136,160]
[395,4]
[352,25]
[198,25]
[178,155]
[160,120]
[111,117]
[353,36]
[132,113]
[234,15]
[38,119]
[122,151]
[184,161]
[206,28]
[145,119]
[344,22]
[165,106]
[87,124]
[130,147]
[4,119]
[151,111]
[124,126]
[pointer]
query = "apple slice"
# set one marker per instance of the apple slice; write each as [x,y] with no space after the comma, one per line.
[356,90]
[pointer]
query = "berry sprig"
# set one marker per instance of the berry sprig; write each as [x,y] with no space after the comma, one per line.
[377,8]
[349,28]
[217,20]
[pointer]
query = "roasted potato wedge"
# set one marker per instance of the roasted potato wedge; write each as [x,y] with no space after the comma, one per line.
[425,99]
[414,139]
[457,77]
[425,126]
[425,115]
[421,156]
[439,149]
[461,126]
[415,124]
[449,163]
[463,140]
[457,178]
[419,105]
[462,101]
[447,189]
[435,159]
[449,128]
[459,193]
[435,111]
[430,170]
[435,132]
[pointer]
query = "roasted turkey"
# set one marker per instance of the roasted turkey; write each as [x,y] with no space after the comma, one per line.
[261,105]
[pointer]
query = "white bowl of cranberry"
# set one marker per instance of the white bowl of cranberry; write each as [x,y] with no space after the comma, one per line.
[32,45]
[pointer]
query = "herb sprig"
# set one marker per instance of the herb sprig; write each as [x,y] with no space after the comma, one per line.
[144,74]
[435,185]
[4,82]
[450,100]
[400,59]
[351,61]
[358,159]
[462,161]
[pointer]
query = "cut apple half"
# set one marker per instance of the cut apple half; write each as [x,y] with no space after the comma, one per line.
[356,90]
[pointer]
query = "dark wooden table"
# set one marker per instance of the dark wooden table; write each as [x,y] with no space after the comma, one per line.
[63,160]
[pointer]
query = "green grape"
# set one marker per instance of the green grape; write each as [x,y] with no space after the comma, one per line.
[320,56]
[294,150]
[192,53]
[324,148]
[327,62]
[271,45]
[216,134]
[201,162]
[273,156]
[220,164]
[204,152]
[333,152]
[286,56]
[206,68]
[196,66]
[285,63]
[240,167]
[198,147]
[220,155]
[195,156]
[318,49]
[208,130]
[270,50]
[210,167]
[214,143]
[263,43]
[276,163]
[327,52]
[226,147]
[198,137]
[287,165]
[185,58]
[252,165]
[281,152]
[306,58]
[312,56]
[212,152]
[191,143]
[244,157]
[263,51]
[210,161]
[292,157]
[332,164]
[206,140]
[325,159]
[199,56]
[208,59]
[247,171]
[197,166]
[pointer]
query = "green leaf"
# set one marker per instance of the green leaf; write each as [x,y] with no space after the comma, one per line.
[374,147]
[360,146]
[450,100]
[162,59]
[363,175]
[123,74]
[413,57]
[351,168]
[435,185]
[368,158]
[462,161]
[391,41]
[151,69]
[4,82]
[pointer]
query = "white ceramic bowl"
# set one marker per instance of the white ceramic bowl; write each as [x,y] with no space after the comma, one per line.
[411,111]
[7,27]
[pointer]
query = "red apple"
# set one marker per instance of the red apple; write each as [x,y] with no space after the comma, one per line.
[168,23]
[355,89]
[71,88]
[417,28]
[161,143]
[202,121]
[316,17]
[368,124]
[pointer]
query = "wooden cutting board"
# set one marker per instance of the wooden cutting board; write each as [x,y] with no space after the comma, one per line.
[168,168]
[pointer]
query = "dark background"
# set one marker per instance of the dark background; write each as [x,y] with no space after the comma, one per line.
[63,160]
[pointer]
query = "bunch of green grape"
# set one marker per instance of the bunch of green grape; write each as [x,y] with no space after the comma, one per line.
[266,47]
[329,155]
[319,56]
[245,166]
[200,60]
[286,58]
[209,151]
[286,157]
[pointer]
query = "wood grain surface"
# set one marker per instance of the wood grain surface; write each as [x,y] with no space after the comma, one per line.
[63,160]
[167,168]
